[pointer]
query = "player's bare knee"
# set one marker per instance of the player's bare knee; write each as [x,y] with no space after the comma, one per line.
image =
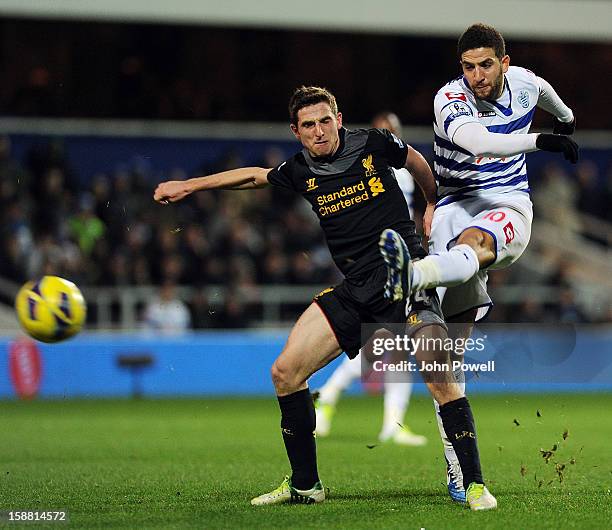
[444,393]
[431,338]
[481,242]
[278,373]
[285,377]
[435,365]
[475,238]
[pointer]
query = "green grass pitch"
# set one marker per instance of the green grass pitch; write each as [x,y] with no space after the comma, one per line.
[196,464]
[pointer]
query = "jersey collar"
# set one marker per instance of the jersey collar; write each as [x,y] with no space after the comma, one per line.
[506,111]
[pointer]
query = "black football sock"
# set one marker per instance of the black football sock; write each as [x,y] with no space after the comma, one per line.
[298,423]
[458,423]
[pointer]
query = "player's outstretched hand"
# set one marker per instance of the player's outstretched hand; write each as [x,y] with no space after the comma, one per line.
[556,143]
[566,128]
[171,191]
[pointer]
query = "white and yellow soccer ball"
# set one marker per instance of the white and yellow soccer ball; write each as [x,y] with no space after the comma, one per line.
[51,309]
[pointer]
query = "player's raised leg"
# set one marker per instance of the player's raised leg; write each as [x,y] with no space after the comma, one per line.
[310,346]
[492,239]
[396,255]
[446,269]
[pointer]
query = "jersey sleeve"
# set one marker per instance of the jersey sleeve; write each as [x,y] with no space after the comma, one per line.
[281,176]
[550,101]
[395,149]
[451,110]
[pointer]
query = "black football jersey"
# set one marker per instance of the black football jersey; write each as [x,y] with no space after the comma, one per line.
[355,195]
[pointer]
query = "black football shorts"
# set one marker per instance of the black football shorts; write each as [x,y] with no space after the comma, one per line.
[358,301]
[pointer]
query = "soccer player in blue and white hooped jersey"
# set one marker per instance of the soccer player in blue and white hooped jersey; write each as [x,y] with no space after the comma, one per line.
[483,214]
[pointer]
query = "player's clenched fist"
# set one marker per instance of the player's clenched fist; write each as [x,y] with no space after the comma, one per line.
[171,191]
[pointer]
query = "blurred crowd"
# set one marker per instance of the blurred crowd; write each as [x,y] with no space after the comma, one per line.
[111,233]
[565,307]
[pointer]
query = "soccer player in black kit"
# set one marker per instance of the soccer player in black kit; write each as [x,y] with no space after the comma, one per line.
[346,176]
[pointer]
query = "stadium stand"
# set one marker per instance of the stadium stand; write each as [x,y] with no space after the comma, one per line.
[78,204]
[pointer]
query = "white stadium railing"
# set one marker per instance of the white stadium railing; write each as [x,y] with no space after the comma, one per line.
[119,308]
[220,130]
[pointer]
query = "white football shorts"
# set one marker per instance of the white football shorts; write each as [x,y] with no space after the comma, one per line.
[507,217]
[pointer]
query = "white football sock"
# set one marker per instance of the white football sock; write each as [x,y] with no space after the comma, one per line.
[397,397]
[449,450]
[339,381]
[453,267]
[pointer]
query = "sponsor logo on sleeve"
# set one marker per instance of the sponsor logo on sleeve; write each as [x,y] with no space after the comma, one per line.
[459,109]
[455,95]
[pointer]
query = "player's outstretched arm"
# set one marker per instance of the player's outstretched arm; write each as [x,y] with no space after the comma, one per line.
[549,100]
[235,179]
[476,139]
[421,172]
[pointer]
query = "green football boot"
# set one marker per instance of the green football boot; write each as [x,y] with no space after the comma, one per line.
[287,494]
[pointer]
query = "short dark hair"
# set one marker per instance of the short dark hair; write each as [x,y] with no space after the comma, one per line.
[481,36]
[310,95]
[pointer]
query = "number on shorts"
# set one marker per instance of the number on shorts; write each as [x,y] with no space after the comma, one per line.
[422,296]
[496,217]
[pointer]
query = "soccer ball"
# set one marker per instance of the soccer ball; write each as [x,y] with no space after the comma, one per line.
[51,309]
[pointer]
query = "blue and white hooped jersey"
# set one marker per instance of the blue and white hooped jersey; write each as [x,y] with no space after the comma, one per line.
[460,174]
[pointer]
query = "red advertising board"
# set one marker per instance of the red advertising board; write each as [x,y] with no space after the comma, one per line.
[25,366]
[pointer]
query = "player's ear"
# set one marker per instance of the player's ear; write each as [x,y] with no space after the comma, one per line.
[294,130]
[339,118]
[505,62]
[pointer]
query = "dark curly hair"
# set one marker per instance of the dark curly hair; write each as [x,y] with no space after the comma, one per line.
[481,36]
